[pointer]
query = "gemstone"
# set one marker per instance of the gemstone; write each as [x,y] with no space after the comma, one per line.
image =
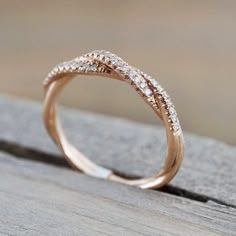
[147,92]
[143,85]
[138,80]
[171,110]
[107,59]
[159,88]
[101,56]
[174,118]
[125,69]
[61,68]
[82,67]
[114,61]
[176,126]
[133,75]
[168,102]
[92,67]
[119,63]
[74,66]
[154,82]
[56,70]
[165,95]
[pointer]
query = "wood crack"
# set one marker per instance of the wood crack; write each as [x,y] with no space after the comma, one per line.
[23,152]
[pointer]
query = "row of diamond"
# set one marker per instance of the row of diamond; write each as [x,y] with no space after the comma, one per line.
[76,65]
[87,64]
[123,68]
[142,81]
[167,103]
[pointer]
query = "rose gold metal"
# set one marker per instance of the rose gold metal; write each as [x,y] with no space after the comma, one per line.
[103,63]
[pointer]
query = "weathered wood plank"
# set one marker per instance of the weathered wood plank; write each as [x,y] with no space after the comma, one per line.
[128,147]
[41,199]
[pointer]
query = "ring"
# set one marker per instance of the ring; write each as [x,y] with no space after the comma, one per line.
[104,63]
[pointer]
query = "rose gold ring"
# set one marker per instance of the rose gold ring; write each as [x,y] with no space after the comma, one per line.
[103,63]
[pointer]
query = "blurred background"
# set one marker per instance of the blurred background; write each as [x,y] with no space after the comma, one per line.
[188,46]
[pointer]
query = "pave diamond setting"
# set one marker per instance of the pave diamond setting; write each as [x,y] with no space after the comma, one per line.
[103,62]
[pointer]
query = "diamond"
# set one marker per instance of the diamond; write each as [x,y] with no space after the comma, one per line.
[154,82]
[74,66]
[133,76]
[114,59]
[92,67]
[67,67]
[87,67]
[147,92]
[176,126]
[171,110]
[55,70]
[119,63]
[143,85]
[174,118]
[61,68]
[100,57]
[138,79]
[165,95]
[132,73]
[107,59]
[124,69]
[96,55]
[169,104]
[159,88]
[82,67]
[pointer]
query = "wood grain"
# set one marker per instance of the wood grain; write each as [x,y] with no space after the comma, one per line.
[39,199]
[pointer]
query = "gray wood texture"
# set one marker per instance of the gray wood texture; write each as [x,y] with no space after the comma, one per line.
[41,195]
[39,199]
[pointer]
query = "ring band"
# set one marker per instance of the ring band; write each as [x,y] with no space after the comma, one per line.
[104,63]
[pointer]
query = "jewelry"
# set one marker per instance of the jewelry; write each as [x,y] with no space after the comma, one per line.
[104,63]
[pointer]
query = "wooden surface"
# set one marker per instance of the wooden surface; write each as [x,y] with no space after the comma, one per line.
[41,195]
